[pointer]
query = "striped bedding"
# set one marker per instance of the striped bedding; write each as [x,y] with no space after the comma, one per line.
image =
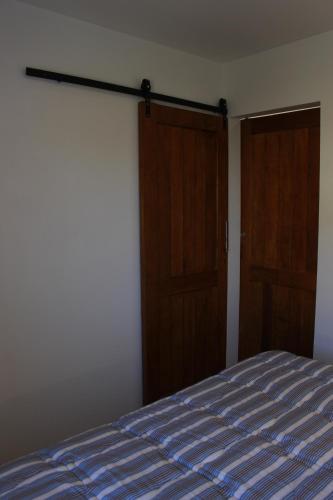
[259,430]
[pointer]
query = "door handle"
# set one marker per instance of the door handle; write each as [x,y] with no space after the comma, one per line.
[226,237]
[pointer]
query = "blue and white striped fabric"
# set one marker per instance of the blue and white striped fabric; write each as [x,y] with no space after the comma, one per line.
[262,429]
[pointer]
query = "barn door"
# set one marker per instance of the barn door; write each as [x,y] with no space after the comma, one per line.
[280,191]
[183,194]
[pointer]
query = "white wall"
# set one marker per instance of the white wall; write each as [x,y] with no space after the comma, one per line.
[291,75]
[70,346]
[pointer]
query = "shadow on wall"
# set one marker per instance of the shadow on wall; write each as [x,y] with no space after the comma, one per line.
[41,419]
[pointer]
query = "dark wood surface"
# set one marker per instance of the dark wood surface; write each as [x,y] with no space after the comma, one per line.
[183,199]
[280,197]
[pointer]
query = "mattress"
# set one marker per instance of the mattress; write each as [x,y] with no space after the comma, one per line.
[261,429]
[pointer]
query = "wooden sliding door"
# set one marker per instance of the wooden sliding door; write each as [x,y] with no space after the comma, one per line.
[280,192]
[183,194]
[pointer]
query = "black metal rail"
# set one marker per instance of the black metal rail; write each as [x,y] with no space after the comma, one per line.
[144,92]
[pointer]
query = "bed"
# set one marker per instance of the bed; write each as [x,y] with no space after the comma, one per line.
[261,429]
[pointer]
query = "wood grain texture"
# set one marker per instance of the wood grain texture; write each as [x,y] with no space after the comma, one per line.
[183,205]
[280,198]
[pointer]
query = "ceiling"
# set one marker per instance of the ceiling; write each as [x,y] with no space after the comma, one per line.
[221,30]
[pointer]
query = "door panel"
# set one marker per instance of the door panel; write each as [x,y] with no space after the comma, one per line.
[280,193]
[183,191]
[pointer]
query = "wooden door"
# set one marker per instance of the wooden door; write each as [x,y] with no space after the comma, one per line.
[183,195]
[280,192]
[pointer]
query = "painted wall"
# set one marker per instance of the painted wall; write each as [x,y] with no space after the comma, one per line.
[294,74]
[70,346]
